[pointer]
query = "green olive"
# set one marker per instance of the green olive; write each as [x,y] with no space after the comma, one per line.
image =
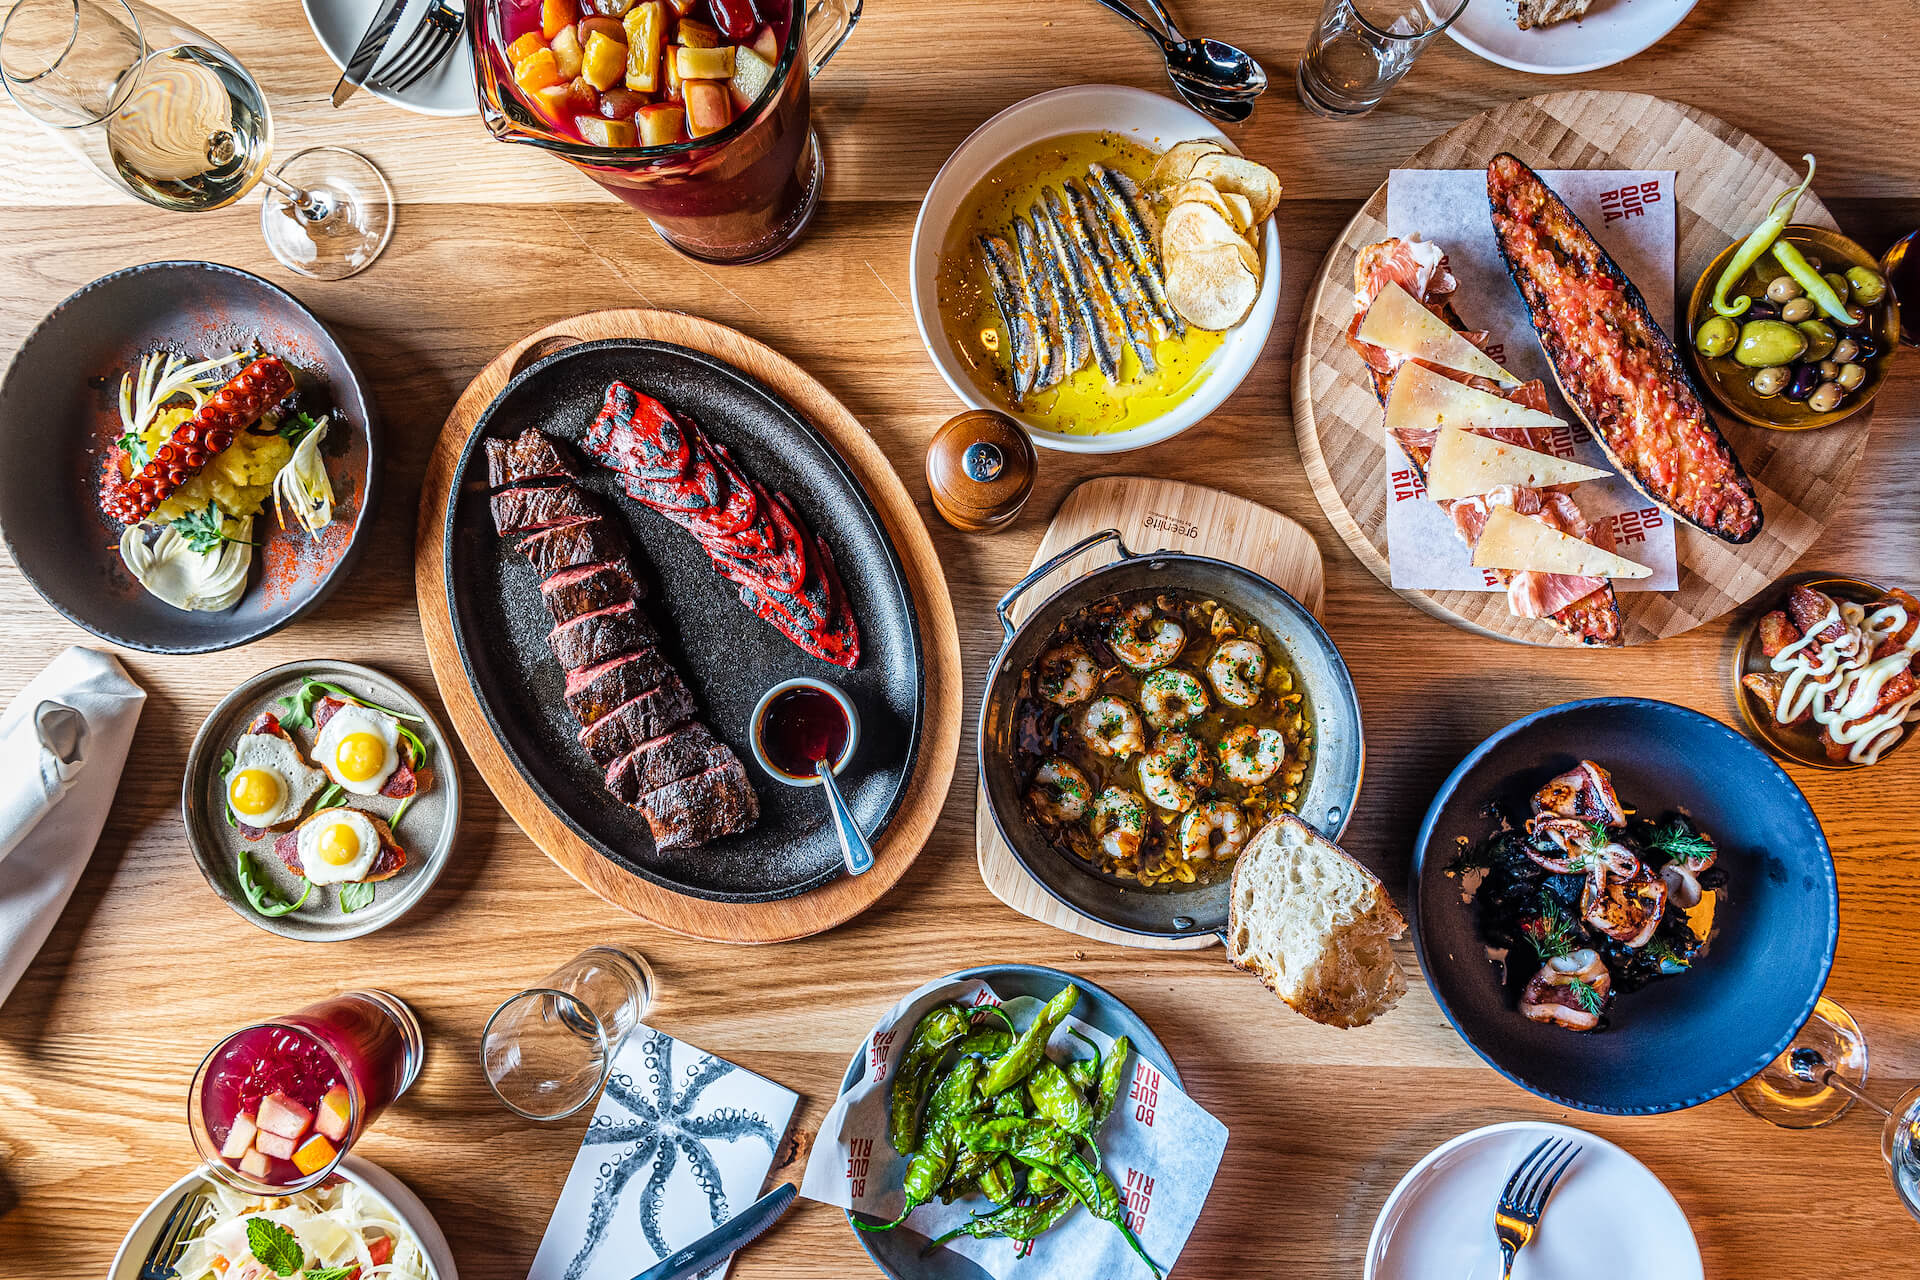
[1767,270]
[1797,309]
[1764,343]
[1783,288]
[1813,260]
[1846,350]
[1772,381]
[1828,370]
[1851,376]
[1821,338]
[1869,287]
[1826,397]
[1715,336]
[1837,283]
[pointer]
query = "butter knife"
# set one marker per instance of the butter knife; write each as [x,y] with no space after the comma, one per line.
[386,16]
[726,1239]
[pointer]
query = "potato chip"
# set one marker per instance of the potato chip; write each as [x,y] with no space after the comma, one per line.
[1212,288]
[1172,167]
[1240,176]
[1192,226]
[1202,193]
[1241,210]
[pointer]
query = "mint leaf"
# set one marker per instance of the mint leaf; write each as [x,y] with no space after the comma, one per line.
[355,897]
[331,1273]
[275,1246]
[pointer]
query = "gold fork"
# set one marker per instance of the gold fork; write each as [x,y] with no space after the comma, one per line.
[1517,1216]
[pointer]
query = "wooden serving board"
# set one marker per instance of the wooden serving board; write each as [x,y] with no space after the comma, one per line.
[897,847]
[1152,515]
[1724,178]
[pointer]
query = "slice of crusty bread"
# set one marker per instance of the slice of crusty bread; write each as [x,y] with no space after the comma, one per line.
[1315,926]
[1529,14]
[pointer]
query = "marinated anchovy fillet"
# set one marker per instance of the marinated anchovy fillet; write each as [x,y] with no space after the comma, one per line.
[1104,325]
[1082,325]
[1023,330]
[1615,366]
[1046,307]
[1135,310]
[1073,214]
[1119,203]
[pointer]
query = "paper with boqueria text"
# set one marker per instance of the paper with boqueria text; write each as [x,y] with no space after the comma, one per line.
[1159,1146]
[1631,213]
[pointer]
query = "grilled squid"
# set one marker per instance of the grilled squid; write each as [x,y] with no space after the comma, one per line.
[1564,845]
[1627,908]
[1586,792]
[1569,990]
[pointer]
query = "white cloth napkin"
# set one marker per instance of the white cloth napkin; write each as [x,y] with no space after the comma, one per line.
[63,742]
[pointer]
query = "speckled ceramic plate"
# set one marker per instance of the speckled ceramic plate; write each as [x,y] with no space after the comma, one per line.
[426,831]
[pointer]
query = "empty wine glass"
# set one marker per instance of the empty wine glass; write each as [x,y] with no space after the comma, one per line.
[547,1050]
[1361,48]
[162,111]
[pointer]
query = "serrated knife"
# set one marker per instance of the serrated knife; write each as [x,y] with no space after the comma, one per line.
[386,16]
[726,1239]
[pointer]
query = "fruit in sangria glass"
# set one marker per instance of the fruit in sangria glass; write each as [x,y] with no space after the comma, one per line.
[708,107]
[240,1137]
[736,17]
[554,16]
[283,1117]
[704,64]
[646,28]
[602,132]
[315,1154]
[335,1113]
[660,123]
[568,52]
[603,62]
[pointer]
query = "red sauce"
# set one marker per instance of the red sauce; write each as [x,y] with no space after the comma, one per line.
[802,727]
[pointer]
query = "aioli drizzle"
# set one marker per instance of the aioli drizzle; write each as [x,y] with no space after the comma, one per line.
[1837,683]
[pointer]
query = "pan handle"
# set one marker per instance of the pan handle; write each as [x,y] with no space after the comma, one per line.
[1007,601]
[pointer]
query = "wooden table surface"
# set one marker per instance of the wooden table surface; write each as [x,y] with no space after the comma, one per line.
[146,968]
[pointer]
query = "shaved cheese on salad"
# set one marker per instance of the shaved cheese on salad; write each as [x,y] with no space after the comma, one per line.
[335,1226]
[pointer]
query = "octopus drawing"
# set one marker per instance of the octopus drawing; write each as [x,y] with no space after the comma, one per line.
[662,1125]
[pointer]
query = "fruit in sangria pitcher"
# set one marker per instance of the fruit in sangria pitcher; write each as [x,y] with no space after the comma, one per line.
[240,1137]
[283,1117]
[708,107]
[334,1113]
[315,1154]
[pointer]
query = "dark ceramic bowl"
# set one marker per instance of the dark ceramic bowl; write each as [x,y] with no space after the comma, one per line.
[59,410]
[898,1253]
[1684,1039]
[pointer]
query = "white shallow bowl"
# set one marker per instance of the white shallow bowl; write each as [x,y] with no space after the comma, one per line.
[1147,118]
[385,1188]
[1612,31]
[1609,1218]
[446,89]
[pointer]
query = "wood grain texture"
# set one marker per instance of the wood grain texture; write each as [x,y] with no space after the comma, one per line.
[893,849]
[146,968]
[1801,478]
[1152,515]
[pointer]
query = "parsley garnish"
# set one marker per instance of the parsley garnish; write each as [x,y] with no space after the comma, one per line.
[354,897]
[136,447]
[275,1246]
[226,767]
[1682,843]
[297,426]
[1587,994]
[205,529]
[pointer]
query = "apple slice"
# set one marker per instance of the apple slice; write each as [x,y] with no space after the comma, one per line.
[315,1154]
[274,1145]
[331,1119]
[659,123]
[766,46]
[254,1165]
[283,1117]
[240,1137]
[708,107]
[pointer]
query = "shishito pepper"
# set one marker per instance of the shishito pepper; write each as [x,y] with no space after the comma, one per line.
[939,1030]
[1096,1191]
[996,1181]
[1056,1097]
[1113,1074]
[1015,1222]
[1012,1066]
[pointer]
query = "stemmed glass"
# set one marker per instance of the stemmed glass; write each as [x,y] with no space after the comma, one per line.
[162,111]
[1819,1076]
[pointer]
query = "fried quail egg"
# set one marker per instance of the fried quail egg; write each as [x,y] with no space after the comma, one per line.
[337,846]
[359,748]
[269,784]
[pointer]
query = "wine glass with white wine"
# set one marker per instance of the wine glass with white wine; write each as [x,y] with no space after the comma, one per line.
[163,111]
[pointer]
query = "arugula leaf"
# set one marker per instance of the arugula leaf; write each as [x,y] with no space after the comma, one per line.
[298,713]
[205,529]
[355,897]
[226,767]
[275,1246]
[401,811]
[1587,994]
[332,798]
[1682,843]
[261,898]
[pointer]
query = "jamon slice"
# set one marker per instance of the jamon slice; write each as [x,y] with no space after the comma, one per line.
[569,545]
[661,708]
[605,633]
[585,588]
[528,510]
[594,691]
[532,455]
[693,811]
[653,764]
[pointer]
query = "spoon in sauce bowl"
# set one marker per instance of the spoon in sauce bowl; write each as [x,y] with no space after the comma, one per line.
[803,733]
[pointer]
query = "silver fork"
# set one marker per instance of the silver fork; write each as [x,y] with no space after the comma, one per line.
[429,41]
[1517,1215]
[174,1234]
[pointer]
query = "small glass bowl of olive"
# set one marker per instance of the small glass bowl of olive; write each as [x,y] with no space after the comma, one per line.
[1788,361]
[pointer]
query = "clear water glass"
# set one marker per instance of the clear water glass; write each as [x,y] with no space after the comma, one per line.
[1362,48]
[549,1049]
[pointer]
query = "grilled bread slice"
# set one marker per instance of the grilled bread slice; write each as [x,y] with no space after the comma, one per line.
[1529,14]
[1315,926]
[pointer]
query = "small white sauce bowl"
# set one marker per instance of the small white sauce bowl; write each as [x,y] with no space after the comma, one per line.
[1155,122]
[759,723]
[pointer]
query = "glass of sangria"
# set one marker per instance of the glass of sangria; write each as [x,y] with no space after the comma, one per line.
[694,112]
[276,1105]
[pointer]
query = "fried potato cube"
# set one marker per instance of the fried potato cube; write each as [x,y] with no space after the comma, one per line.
[1776,633]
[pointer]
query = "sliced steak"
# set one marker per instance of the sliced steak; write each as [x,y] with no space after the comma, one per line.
[688,750]
[533,455]
[569,545]
[692,811]
[605,633]
[606,686]
[525,510]
[665,706]
[585,588]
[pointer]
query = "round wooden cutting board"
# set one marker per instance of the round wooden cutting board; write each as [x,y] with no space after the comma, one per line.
[1724,178]
[787,918]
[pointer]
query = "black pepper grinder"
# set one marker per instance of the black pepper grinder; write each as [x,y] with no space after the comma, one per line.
[980,470]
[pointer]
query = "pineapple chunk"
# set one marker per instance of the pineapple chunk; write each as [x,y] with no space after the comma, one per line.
[696,35]
[555,16]
[646,26]
[601,132]
[660,123]
[603,61]
[705,64]
[751,76]
[708,107]
[567,54]
[537,71]
[523,48]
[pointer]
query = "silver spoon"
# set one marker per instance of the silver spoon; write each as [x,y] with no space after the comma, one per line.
[1211,69]
[853,845]
[1227,111]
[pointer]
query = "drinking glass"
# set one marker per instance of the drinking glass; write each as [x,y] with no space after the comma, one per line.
[163,111]
[1901,267]
[1361,49]
[1819,1076]
[341,1061]
[547,1050]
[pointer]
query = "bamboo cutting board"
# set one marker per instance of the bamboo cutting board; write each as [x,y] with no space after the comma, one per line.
[895,849]
[1151,515]
[1724,178]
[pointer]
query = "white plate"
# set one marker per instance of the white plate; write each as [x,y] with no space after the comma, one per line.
[384,1186]
[1612,31]
[1608,1219]
[1155,122]
[446,90]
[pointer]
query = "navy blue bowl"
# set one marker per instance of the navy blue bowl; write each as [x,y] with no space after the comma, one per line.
[1685,1039]
[897,1252]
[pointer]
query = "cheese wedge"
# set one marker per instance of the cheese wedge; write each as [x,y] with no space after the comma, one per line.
[1513,541]
[1464,464]
[1422,400]
[1401,325]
